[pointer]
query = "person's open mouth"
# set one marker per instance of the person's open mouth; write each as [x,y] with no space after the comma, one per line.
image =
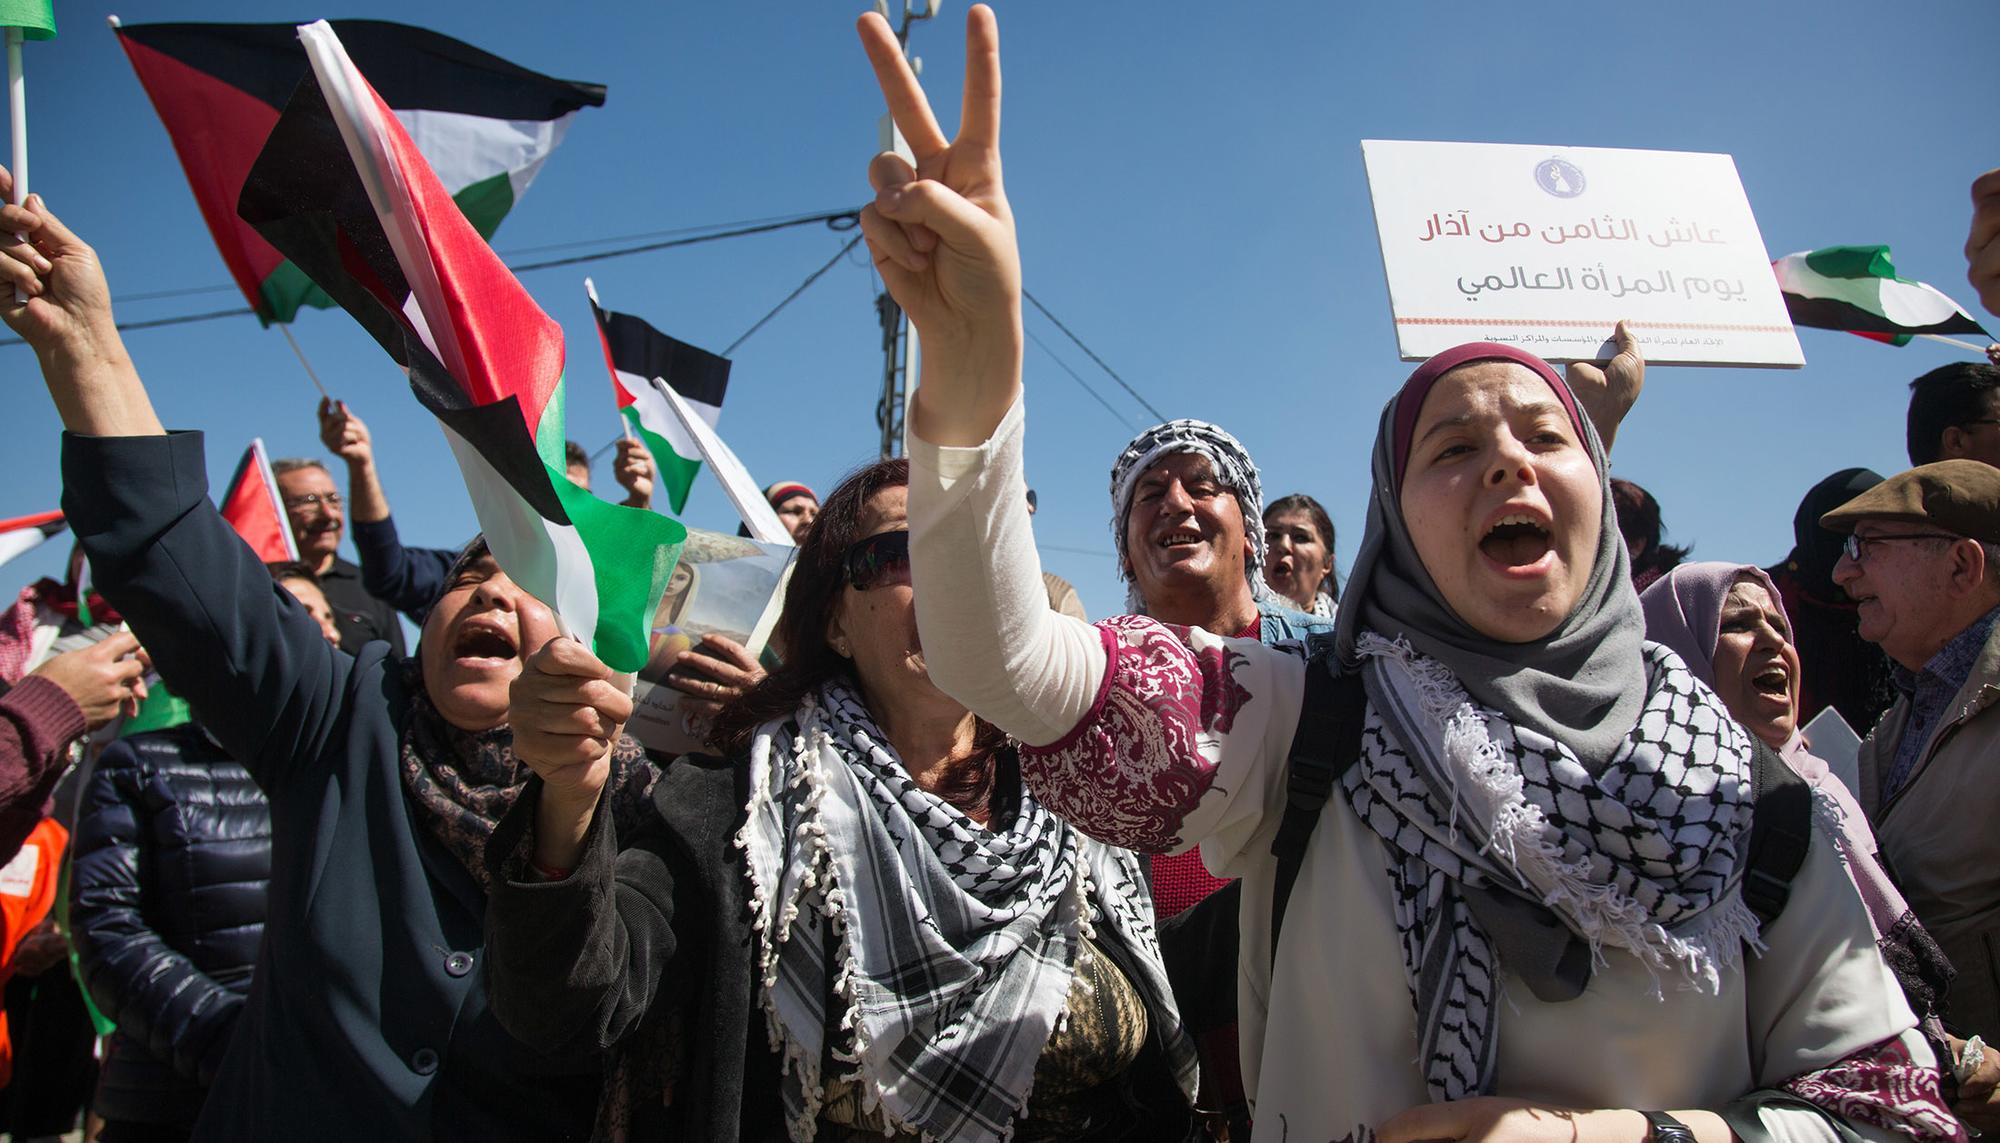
[1773,681]
[1519,542]
[483,644]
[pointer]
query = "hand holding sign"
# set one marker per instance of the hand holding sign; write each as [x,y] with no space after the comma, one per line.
[942,237]
[1607,390]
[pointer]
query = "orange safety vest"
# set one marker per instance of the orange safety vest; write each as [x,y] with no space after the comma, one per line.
[27,892]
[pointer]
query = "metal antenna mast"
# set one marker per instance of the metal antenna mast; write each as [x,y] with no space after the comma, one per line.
[899,349]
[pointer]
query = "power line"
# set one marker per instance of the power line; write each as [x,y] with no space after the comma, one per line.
[674,233]
[835,220]
[521,251]
[1071,334]
[1079,379]
[188,292]
[789,298]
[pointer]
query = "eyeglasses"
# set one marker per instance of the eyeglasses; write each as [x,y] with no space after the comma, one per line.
[314,500]
[1855,547]
[881,558]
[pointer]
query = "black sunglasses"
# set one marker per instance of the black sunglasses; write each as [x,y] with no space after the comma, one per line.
[882,556]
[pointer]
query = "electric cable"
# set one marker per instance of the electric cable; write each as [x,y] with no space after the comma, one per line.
[835,220]
[1078,378]
[1071,334]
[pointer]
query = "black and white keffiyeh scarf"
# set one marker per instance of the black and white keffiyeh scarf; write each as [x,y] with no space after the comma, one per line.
[1642,856]
[950,947]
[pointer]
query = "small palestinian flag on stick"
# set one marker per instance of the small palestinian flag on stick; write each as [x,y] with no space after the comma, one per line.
[342,190]
[254,507]
[641,359]
[484,125]
[24,20]
[23,534]
[1855,289]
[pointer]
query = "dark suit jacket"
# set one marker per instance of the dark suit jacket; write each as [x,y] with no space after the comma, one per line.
[368,1015]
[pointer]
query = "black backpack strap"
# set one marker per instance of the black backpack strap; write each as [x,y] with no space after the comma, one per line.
[1326,743]
[1781,831]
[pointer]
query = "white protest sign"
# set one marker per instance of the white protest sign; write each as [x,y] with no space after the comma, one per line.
[1549,247]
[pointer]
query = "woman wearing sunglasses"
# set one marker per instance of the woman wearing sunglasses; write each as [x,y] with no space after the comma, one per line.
[857,925]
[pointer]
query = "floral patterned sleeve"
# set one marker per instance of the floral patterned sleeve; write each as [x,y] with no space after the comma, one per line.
[1890,1086]
[1186,737]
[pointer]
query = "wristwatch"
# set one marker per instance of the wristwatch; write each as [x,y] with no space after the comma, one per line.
[1667,1129]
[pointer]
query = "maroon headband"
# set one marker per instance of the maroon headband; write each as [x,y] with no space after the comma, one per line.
[1410,401]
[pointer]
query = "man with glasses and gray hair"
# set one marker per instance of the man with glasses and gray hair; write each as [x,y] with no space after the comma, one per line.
[317,514]
[1922,562]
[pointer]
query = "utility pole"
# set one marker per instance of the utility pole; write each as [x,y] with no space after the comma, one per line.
[899,347]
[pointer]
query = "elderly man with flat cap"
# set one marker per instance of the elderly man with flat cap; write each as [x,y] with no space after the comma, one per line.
[1922,562]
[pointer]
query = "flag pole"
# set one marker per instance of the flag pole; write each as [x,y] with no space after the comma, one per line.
[285,328]
[1979,349]
[17,107]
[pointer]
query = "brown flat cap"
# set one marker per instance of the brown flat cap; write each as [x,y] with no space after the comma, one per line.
[1957,496]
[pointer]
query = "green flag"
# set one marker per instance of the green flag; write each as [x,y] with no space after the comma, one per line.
[35,18]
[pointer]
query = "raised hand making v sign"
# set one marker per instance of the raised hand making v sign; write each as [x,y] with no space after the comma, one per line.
[942,238]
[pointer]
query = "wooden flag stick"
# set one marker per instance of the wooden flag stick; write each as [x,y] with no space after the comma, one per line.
[17,106]
[285,328]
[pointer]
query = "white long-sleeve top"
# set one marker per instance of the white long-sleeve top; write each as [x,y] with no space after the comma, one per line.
[1159,738]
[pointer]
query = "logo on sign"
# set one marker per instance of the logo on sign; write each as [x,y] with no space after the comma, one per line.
[1559,177]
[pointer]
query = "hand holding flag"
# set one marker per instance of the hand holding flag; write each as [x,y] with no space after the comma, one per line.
[24,20]
[342,190]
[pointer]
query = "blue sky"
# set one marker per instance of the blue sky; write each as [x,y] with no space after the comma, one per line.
[1191,201]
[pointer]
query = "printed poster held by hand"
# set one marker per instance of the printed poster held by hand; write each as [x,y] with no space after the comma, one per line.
[1547,248]
[723,585]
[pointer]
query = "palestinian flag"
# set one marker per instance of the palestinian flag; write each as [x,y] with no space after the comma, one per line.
[484,125]
[23,534]
[254,507]
[343,191]
[1855,288]
[642,358]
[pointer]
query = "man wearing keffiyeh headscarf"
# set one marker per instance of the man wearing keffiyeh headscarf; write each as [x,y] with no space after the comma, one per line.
[1187,519]
[1190,554]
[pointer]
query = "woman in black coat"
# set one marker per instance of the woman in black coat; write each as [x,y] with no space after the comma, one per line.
[955,962]
[368,1019]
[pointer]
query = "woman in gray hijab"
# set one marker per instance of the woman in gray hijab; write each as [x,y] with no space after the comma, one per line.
[1540,843]
[1534,780]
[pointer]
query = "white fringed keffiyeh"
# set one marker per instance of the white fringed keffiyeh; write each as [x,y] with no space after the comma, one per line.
[953,946]
[1641,857]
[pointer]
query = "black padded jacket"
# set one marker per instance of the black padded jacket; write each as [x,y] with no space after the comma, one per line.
[173,849]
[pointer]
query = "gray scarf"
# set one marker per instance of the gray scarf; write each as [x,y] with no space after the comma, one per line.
[1582,684]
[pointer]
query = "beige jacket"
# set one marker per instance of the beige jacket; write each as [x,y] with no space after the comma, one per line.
[1940,835]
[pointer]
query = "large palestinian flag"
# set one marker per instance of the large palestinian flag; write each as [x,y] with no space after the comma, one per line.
[1855,289]
[484,125]
[641,359]
[254,507]
[342,190]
